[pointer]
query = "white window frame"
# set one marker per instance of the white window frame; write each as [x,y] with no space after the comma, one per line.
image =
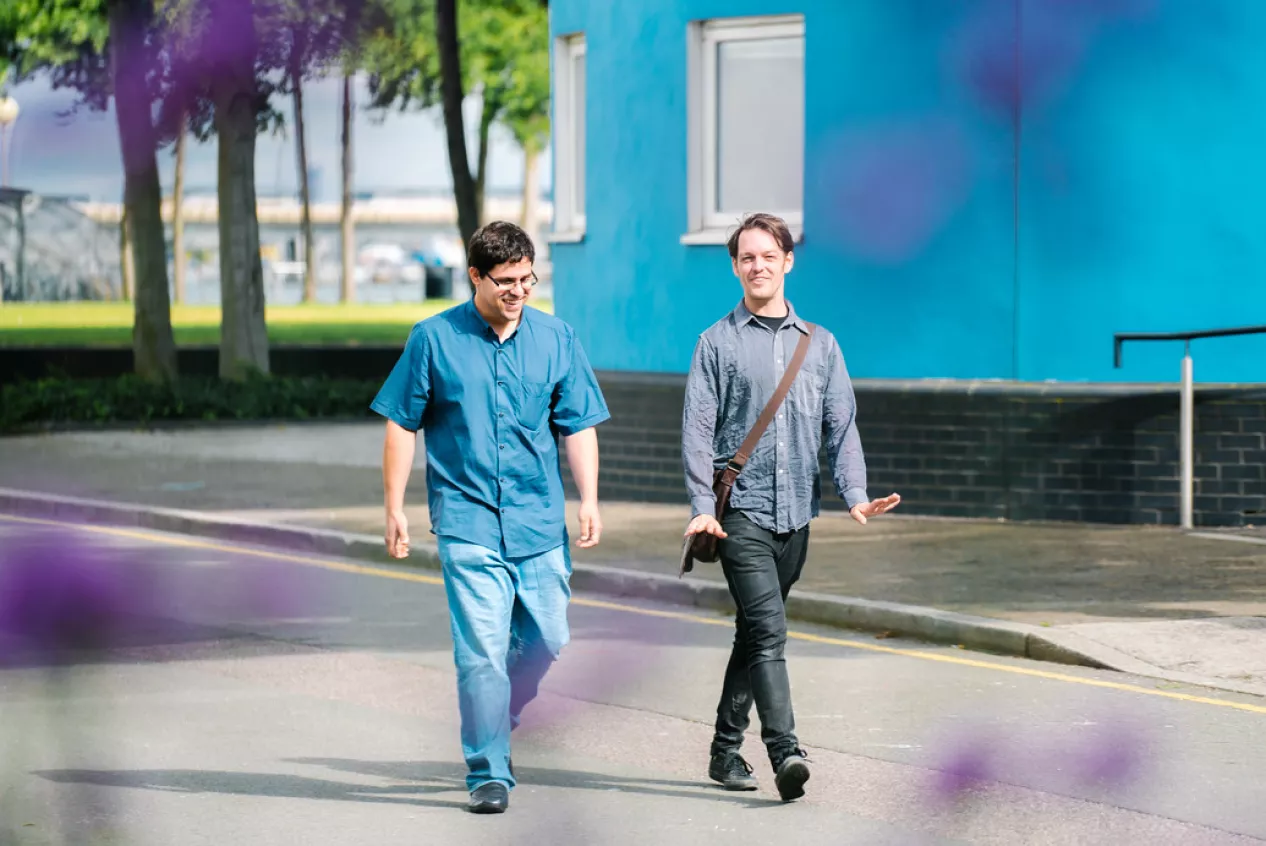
[569,209]
[706,225]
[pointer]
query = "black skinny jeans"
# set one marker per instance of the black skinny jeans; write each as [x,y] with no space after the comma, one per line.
[760,567]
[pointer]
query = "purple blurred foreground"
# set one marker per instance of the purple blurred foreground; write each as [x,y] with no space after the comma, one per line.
[60,597]
[1107,753]
[67,595]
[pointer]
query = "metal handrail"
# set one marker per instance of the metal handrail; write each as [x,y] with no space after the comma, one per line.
[1121,337]
[1187,396]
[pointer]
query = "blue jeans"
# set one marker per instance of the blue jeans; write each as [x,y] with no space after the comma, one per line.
[509,622]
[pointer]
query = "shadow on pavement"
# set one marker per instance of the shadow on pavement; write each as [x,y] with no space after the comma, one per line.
[444,777]
[276,785]
[537,777]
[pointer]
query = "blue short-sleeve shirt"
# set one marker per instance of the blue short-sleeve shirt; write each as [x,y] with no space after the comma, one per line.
[491,413]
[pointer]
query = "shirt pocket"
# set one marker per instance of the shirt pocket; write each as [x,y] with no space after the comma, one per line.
[534,400]
[807,392]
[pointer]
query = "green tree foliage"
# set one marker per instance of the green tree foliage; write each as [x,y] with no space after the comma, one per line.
[66,39]
[503,58]
[228,59]
[212,66]
[107,49]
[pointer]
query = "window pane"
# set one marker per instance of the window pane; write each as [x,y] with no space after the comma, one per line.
[578,136]
[760,125]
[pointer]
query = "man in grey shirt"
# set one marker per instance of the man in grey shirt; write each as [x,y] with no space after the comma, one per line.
[763,535]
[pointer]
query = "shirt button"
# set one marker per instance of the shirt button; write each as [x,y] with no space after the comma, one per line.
[503,446]
[501,384]
[501,414]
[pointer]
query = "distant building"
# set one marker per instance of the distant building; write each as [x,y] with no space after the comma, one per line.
[985,191]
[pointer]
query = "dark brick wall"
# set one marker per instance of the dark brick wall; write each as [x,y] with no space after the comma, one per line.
[1024,452]
[1106,454]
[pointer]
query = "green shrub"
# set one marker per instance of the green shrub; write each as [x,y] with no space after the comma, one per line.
[128,399]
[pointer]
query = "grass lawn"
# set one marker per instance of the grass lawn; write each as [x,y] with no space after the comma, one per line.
[110,324]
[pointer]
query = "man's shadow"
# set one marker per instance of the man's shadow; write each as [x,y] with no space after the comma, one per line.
[417,779]
[274,785]
[424,771]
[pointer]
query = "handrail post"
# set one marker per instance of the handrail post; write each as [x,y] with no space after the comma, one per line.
[1187,436]
[1187,403]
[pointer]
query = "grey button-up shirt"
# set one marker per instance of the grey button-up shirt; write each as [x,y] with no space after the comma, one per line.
[737,365]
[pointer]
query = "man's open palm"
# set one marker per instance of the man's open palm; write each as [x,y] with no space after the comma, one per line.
[862,513]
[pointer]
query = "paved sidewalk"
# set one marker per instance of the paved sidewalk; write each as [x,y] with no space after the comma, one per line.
[1190,603]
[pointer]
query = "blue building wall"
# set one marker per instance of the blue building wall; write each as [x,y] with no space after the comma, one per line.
[961,220]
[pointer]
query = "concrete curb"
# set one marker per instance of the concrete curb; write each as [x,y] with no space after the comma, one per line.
[292,539]
[929,624]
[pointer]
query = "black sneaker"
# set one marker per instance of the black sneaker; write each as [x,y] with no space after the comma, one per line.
[790,775]
[731,771]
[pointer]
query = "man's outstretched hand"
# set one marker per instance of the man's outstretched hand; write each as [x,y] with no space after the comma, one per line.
[705,523]
[862,513]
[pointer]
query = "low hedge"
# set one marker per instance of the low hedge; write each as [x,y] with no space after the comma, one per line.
[44,403]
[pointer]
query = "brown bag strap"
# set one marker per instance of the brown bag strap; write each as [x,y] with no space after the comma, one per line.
[735,465]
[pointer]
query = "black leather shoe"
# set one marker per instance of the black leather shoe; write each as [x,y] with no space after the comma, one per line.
[490,798]
[731,771]
[790,775]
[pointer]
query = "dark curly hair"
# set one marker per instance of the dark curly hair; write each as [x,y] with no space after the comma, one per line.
[497,243]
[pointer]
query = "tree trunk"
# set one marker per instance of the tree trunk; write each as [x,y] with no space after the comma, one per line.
[464,189]
[346,225]
[487,115]
[19,261]
[127,267]
[243,334]
[153,348]
[305,197]
[531,189]
[178,214]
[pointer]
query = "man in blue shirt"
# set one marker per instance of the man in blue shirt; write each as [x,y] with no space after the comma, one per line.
[492,383]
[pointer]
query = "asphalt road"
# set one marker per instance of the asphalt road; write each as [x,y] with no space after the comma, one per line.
[262,698]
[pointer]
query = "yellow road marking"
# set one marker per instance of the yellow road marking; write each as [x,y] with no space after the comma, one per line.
[194,543]
[405,576]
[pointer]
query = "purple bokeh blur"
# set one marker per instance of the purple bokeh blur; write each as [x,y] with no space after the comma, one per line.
[1107,752]
[60,598]
[1009,64]
[70,595]
[893,188]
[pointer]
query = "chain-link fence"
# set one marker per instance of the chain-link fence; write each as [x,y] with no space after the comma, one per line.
[49,250]
[57,249]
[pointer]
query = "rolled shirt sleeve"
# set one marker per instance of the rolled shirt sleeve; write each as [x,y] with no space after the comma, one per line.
[404,396]
[578,403]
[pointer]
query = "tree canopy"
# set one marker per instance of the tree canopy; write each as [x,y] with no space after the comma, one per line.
[504,59]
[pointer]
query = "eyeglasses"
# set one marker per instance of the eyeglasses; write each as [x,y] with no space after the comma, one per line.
[528,283]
